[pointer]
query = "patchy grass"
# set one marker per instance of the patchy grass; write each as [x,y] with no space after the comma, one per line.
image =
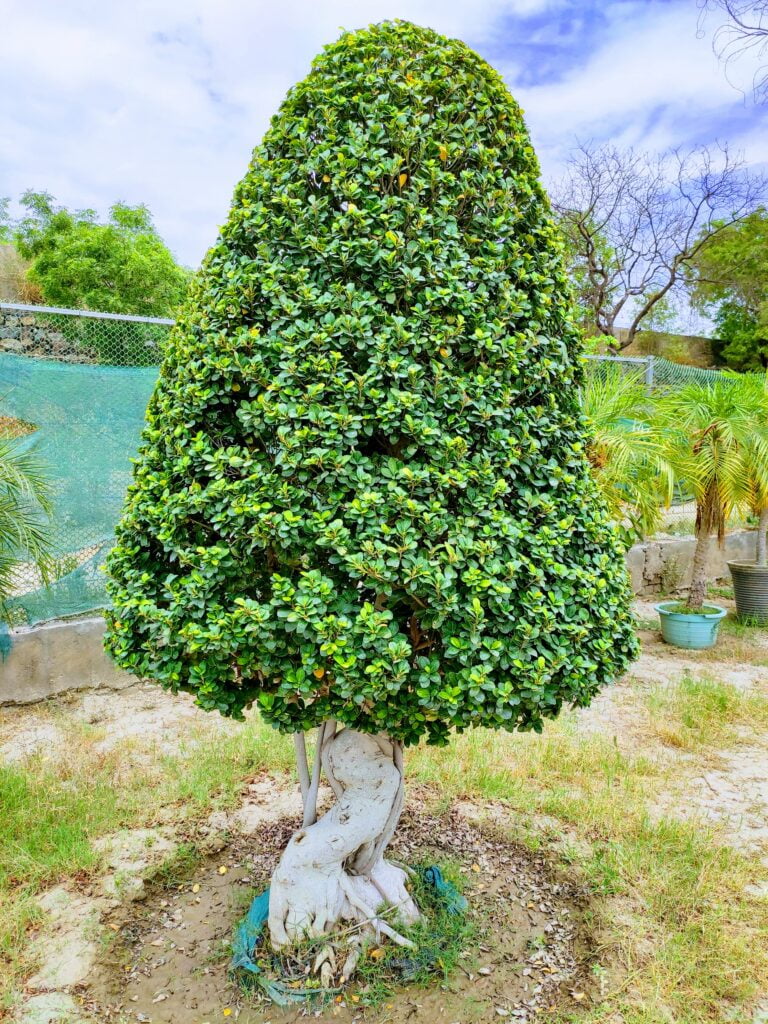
[704,712]
[177,868]
[53,808]
[678,937]
[681,941]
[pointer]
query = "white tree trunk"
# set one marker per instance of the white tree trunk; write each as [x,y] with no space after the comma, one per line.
[334,870]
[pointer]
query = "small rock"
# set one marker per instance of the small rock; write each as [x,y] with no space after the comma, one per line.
[124,887]
[213,844]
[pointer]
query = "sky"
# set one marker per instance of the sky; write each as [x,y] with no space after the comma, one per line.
[161,101]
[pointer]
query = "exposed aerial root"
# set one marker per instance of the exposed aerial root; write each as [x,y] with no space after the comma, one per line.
[333,870]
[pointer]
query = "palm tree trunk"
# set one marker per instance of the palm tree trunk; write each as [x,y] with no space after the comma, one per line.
[698,589]
[762,537]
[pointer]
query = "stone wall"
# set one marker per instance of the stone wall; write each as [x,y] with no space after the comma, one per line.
[663,565]
[55,657]
[28,334]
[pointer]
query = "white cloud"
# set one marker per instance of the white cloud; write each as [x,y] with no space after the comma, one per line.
[161,102]
[654,83]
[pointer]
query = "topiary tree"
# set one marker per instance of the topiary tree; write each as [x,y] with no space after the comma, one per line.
[362,498]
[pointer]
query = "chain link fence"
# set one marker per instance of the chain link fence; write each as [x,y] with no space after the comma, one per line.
[75,385]
[659,374]
[656,372]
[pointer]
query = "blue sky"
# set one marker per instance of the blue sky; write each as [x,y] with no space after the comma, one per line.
[161,101]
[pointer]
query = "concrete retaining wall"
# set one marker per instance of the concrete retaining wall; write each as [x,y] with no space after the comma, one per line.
[663,565]
[57,656]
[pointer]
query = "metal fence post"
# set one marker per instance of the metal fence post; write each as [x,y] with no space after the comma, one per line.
[649,373]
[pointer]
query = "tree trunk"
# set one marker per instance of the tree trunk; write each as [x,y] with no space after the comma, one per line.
[762,537]
[698,589]
[334,870]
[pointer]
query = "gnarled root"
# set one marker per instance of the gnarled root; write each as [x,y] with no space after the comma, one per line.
[334,870]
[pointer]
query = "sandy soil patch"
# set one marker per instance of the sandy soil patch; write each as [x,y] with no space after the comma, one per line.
[168,961]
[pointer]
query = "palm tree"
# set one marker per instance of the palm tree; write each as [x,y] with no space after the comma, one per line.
[627,451]
[717,435]
[24,507]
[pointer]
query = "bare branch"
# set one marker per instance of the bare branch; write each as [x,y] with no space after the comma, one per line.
[744,33]
[633,221]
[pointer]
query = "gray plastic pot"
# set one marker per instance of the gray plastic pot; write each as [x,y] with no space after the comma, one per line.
[750,588]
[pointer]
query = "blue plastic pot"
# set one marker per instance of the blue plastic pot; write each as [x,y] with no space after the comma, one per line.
[693,630]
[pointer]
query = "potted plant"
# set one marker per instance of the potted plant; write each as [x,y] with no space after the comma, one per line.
[750,578]
[711,429]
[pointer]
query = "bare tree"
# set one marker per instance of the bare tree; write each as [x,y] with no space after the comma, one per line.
[745,32]
[634,221]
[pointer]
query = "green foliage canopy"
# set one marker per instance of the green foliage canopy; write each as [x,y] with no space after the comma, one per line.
[363,492]
[730,282]
[122,266]
[5,220]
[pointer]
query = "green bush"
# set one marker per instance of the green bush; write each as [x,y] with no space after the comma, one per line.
[121,266]
[362,492]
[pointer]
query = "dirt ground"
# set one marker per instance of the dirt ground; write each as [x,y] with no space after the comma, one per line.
[166,958]
[168,962]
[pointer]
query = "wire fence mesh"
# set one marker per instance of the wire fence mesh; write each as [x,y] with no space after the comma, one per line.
[659,375]
[75,385]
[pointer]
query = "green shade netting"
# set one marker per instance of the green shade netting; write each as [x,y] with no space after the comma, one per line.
[88,420]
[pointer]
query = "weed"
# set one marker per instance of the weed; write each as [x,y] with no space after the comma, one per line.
[702,711]
[179,867]
[440,938]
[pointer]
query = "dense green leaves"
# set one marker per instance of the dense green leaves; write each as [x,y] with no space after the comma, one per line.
[122,266]
[363,491]
[730,282]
